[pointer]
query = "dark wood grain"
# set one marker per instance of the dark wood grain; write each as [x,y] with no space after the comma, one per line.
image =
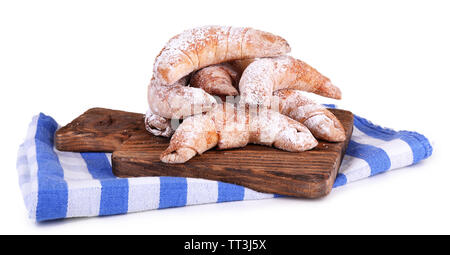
[309,174]
[98,130]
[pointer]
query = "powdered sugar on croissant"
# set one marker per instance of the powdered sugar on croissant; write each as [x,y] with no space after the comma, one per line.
[204,46]
[177,100]
[157,125]
[197,48]
[320,121]
[266,75]
[227,126]
[221,79]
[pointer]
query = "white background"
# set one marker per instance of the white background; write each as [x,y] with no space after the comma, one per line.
[390,59]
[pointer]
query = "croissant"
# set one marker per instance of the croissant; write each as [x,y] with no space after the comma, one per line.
[177,100]
[157,125]
[220,80]
[266,75]
[204,46]
[228,126]
[321,122]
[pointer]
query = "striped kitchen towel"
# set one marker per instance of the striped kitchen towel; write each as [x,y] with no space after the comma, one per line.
[57,184]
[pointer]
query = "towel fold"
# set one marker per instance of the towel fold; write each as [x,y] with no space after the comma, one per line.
[57,184]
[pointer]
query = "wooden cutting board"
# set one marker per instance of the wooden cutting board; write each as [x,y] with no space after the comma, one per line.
[136,152]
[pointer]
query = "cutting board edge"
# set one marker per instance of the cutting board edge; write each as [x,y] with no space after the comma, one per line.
[321,188]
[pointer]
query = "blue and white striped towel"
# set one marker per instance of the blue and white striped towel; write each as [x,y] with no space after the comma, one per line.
[57,184]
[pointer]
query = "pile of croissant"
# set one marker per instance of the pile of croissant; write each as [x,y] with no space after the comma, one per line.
[226,87]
